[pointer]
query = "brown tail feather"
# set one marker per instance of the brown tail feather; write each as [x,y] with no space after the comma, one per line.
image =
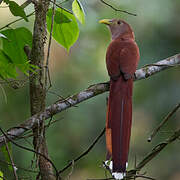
[118,124]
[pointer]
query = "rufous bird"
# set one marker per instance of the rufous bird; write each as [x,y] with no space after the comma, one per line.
[122,58]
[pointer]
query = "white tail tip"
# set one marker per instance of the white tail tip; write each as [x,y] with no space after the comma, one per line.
[118,175]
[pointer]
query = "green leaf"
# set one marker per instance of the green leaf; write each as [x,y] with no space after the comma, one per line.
[1,175]
[17,10]
[1,43]
[13,47]
[7,68]
[78,11]
[6,155]
[60,18]
[65,28]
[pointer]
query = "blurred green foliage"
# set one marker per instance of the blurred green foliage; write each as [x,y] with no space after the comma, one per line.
[157,33]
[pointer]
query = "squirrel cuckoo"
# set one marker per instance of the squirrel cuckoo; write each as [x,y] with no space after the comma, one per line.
[122,58]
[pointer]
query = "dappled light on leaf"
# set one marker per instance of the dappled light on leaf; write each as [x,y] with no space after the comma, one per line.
[65,29]
[78,11]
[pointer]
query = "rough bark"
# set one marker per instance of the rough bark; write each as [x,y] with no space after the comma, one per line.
[37,89]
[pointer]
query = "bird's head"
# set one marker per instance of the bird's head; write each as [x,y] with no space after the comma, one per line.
[118,28]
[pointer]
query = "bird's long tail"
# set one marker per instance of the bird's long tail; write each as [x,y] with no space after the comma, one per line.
[118,123]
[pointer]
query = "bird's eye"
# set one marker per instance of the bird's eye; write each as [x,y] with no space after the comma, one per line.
[119,22]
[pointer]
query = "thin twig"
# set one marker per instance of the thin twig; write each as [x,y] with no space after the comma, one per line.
[54,93]
[7,25]
[47,74]
[72,169]
[102,179]
[145,177]
[163,122]
[11,159]
[62,2]
[27,134]
[107,168]
[62,98]
[49,79]
[120,10]
[85,152]
[49,123]
[61,7]
[154,152]
[23,169]
[52,122]
[26,3]
[31,150]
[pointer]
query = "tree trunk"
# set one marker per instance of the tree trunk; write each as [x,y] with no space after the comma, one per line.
[37,88]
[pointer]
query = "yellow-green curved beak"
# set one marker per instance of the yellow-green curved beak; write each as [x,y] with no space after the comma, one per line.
[105,21]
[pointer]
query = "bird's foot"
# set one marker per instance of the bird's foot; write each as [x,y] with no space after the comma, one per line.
[108,165]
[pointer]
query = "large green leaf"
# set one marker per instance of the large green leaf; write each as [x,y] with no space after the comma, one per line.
[78,11]
[65,29]
[17,10]
[13,46]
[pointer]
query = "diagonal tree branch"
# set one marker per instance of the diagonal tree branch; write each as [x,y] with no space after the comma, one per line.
[88,93]
[9,24]
[154,152]
[85,152]
[11,160]
[28,149]
[115,9]
[155,131]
